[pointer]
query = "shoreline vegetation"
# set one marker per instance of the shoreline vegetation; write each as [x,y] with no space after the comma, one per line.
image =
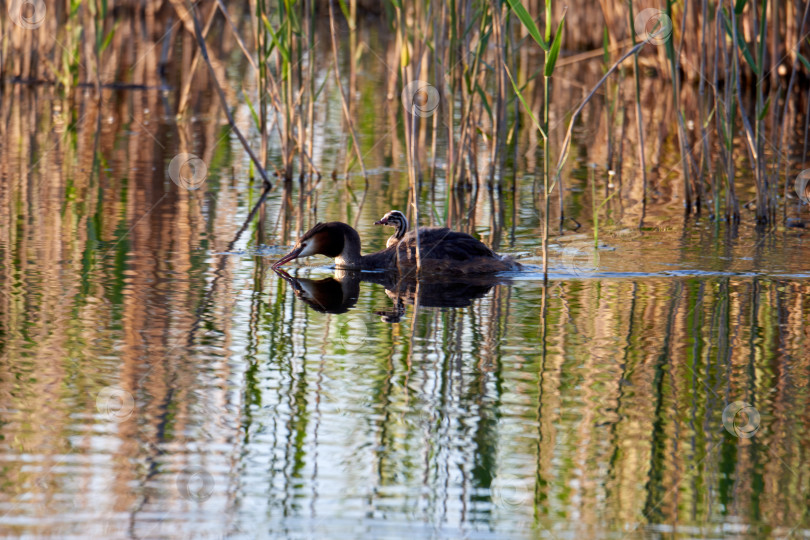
[706,100]
[161,380]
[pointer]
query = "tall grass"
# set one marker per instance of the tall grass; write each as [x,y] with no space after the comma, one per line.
[552,51]
[639,121]
[745,58]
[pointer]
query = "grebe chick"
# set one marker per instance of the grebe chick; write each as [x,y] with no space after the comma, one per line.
[397,219]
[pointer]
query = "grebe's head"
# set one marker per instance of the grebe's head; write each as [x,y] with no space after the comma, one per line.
[322,239]
[394,218]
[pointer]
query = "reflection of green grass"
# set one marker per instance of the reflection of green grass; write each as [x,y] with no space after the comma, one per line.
[613,414]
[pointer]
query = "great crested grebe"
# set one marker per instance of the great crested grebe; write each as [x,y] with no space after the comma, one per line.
[441,251]
[397,219]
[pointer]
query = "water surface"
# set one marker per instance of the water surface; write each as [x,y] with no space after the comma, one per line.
[160,381]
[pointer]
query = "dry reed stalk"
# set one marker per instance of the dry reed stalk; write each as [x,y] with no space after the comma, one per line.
[411,119]
[343,101]
[639,122]
[675,63]
[221,93]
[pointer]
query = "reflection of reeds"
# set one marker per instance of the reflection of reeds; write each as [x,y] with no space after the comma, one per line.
[626,378]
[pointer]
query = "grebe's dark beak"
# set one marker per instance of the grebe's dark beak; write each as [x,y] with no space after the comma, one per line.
[288,257]
[383,221]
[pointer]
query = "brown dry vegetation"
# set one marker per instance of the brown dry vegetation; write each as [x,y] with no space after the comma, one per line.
[729,122]
[86,256]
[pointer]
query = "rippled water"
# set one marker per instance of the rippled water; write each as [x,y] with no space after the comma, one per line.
[161,381]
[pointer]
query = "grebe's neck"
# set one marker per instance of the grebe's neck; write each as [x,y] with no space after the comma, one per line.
[349,256]
[351,259]
[402,226]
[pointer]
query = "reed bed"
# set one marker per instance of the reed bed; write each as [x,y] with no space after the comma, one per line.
[484,91]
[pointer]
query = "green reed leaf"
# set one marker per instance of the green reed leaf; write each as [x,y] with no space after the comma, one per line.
[528,22]
[765,109]
[743,46]
[555,48]
[804,61]
[108,38]
[252,110]
[274,38]
[525,105]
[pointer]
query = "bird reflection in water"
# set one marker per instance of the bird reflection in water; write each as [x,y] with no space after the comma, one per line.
[340,293]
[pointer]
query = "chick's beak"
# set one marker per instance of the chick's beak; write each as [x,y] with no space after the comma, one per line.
[288,257]
[383,221]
